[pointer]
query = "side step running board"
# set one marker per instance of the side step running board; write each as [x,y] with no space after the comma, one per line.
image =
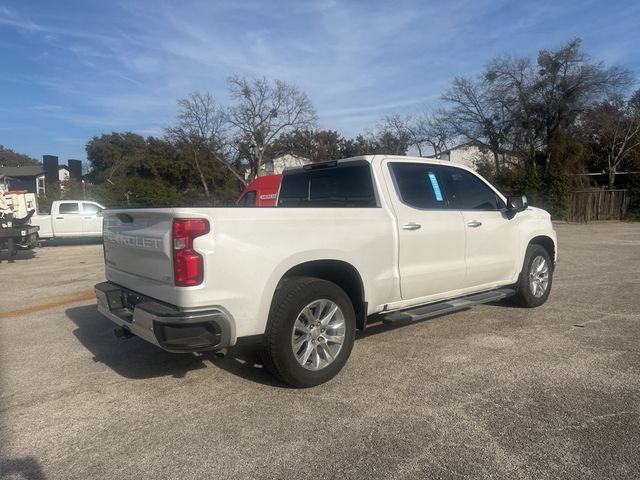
[433,310]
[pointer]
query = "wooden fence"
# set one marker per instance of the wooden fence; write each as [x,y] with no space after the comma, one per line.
[590,205]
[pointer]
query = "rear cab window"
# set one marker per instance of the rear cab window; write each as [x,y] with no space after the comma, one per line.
[330,185]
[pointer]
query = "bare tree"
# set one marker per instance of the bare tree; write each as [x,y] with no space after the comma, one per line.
[421,131]
[567,83]
[477,114]
[510,79]
[545,98]
[264,110]
[435,131]
[401,131]
[614,133]
[201,131]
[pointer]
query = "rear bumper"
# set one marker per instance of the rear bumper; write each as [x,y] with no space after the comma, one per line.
[164,325]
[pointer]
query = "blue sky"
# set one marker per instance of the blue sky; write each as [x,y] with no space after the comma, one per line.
[70,70]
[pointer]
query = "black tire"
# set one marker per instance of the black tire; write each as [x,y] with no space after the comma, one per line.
[11,247]
[525,296]
[288,303]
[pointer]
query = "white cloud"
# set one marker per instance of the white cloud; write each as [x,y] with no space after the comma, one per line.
[357,61]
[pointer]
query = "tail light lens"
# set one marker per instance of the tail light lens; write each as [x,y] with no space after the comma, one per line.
[188,265]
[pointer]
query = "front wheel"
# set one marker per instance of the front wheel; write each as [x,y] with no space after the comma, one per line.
[310,333]
[536,278]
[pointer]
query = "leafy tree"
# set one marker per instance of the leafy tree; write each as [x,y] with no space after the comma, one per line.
[380,142]
[387,142]
[127,168]
[315,145]
[11,158]
[360,145]
[115,156]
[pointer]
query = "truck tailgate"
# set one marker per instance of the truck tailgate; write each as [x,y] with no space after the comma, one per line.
[137,243]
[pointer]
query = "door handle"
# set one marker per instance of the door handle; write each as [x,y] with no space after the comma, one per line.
[88,218]
[411,226]
[474,224]
[59,218]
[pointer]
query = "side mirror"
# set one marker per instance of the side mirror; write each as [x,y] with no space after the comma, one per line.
[100,213]
[517,203]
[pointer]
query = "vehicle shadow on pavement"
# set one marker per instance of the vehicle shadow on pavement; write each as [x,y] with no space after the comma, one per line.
[137,359]
[132,358]
[245,362]
[21,255]
[28,468]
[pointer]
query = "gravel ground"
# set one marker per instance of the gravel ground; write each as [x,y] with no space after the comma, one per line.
[492,392]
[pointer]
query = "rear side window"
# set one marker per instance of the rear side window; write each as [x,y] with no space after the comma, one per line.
[346,185]
[418,185]
[69,207]
[248,199]
[465,191]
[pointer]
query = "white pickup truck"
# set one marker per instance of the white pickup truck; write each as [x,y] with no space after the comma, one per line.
[70,219]
[375,238]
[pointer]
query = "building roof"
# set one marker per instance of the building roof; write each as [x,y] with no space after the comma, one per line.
[24,171]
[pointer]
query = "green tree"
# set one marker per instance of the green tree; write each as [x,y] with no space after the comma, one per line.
[11,158]
[126,168]
[315,145]
[115,156]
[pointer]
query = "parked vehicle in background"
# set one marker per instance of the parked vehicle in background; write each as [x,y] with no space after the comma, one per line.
[262,192]
[390,238]
[70,219]
[21,202]
[15,232]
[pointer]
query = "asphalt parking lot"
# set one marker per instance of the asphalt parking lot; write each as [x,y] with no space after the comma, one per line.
[492,392]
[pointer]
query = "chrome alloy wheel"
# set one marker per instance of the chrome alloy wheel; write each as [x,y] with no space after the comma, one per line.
[539,276]
[318,334]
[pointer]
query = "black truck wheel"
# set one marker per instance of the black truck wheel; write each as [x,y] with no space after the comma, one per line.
[536,277]
[310,332]
[11,247]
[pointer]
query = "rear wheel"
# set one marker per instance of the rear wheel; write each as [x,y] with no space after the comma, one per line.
[536,278]
[310,333]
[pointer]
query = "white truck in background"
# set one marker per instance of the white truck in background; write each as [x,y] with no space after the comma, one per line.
[350,242]
[70,219]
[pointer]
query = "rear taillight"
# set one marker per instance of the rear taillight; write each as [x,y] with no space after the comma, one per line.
[188,265]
